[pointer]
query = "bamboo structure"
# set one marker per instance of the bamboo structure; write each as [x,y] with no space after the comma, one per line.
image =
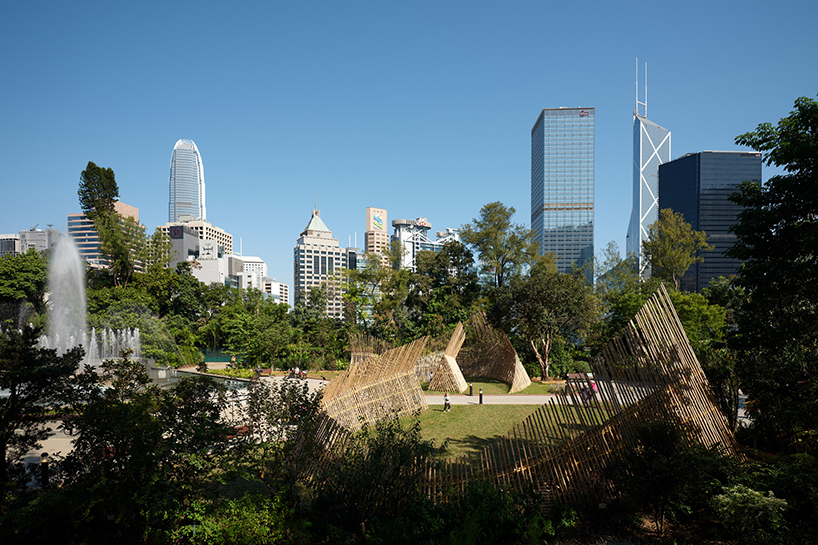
[380,386]
[492,356]
[362,346]
[448,377]
[567,447]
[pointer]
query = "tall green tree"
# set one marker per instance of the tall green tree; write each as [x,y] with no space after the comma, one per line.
[672,246]
[777,238]
[98,190]
[504,247]
[543,305]
[22,282]
[36,380]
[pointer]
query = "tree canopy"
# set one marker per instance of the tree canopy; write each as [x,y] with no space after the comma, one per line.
[504,247]
[98,190]
[672,246]
[777,238]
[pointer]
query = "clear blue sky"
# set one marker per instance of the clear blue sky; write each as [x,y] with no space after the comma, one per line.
[422,108]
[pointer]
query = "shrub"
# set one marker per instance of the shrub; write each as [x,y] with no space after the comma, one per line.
[751,516]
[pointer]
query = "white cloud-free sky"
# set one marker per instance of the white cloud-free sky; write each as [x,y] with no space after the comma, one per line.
[424,108]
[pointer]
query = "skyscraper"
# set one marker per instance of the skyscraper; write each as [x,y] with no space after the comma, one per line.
[562,186]
[317,260]
[651,148]
[697,185]
[187,187]
[376,236]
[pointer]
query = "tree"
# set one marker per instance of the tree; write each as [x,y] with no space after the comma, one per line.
[139,451]
[37,380]
[777,238]
[504,247]
[543,305]
[672,245]
[122,242]
[98,190]
[373,478]
[22,282]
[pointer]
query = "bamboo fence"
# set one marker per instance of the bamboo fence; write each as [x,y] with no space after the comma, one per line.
[380,386]
[362,346]
[491,355]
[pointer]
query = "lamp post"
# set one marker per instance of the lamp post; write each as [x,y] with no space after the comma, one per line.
[44,470]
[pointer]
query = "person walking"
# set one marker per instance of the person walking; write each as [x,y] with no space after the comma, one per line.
[447,403]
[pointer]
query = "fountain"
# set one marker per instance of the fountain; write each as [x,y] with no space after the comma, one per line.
[67,324]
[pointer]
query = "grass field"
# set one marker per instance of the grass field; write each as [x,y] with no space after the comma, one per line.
[469,428]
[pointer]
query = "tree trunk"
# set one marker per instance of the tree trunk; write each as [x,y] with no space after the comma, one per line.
[543,360]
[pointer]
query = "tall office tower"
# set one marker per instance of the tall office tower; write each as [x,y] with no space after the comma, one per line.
[697,185]
[562,186]
[376,236]
[317,258]
[651,148]
[187,187]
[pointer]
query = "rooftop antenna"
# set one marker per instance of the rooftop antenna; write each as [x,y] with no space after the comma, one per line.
[643,112]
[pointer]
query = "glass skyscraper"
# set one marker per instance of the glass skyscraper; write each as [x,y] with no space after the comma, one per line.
[562,186]
[187,187]
[698,186]
[651,148]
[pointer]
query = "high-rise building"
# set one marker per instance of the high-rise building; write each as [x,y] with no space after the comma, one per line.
[414,237]
[651,148]
[697,185]
[81,229]
[187,186]
[562,186]
[317,260]
[376,236]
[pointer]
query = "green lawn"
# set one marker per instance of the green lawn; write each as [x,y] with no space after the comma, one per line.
[469,428]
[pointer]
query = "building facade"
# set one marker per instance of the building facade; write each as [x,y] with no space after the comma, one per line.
[414,237]
[204,230]
[317,260]
[697,185]
[81,229]
[187,186]
[9,244]
[376,236]
[562,186]
[651,148]
[279,291]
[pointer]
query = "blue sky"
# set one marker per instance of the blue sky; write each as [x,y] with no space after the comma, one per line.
[422,108]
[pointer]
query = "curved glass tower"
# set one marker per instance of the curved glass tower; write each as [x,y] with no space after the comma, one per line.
[187,187]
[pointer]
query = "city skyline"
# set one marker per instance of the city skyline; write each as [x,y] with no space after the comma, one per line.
[423,109]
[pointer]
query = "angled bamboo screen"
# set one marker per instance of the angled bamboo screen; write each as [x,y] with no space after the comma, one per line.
[380,386]
[491,355]
[448,377]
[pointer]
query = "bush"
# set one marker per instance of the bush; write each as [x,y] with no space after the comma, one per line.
[666,478]
[751,516]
